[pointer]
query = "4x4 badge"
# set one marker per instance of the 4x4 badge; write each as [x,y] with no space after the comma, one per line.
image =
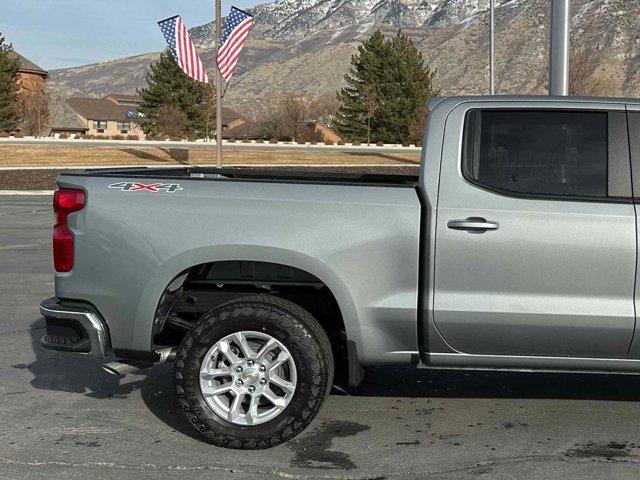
[148,187]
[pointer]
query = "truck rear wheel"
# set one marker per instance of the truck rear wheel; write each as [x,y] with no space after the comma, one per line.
[253,372]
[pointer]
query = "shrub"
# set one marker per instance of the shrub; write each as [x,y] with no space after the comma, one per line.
[328,142]
[300,142]
[341,142]
[260,140]
[380,144]
[313,142]
[4,135]
[133,137]
[246,140]
[64,136]
[231,140]
[406,144]
[356,143]
[273,140]
[18,135]
[117,137]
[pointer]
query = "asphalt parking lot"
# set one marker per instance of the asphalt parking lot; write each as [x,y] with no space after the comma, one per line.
[62,417]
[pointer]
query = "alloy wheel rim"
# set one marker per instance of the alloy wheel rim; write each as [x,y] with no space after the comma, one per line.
[248,378]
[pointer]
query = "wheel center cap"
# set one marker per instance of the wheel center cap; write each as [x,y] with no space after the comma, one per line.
[250,376]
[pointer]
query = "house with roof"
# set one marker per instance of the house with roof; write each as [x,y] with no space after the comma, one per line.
[111,116]
[63,121]
[123,99]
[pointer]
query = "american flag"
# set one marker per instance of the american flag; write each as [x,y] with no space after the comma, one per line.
[235,33]
[183,49]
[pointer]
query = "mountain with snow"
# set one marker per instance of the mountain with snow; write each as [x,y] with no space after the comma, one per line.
[291,20]
[305,46]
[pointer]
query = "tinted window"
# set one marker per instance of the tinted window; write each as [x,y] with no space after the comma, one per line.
[539,152]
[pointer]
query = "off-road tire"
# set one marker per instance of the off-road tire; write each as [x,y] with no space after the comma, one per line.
[303,336]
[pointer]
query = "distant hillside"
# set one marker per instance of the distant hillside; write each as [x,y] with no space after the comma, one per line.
[306,46]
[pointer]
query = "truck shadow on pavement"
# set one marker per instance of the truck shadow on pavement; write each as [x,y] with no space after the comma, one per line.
[68,373]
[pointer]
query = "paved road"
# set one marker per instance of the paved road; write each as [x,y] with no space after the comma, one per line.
[61,417]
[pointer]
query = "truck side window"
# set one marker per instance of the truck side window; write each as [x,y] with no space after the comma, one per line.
[557,153]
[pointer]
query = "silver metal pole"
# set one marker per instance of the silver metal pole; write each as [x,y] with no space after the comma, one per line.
[559,48]
[218,41]
[492,65]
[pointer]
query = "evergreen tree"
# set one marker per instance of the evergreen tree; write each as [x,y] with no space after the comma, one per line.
[387,88]
[9,66]
[168,86]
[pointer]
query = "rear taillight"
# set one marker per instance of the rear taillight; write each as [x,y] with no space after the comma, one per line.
[65,201]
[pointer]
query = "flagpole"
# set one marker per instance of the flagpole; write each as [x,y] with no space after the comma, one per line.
[218,85]
[492,61]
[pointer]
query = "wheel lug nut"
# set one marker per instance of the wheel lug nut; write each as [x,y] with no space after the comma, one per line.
[263,368]
[263,381]
[238,369]
[250,363]
[239,382]
[252,389]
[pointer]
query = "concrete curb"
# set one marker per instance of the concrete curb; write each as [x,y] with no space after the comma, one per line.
[258,165]
[25,192]
[173,143]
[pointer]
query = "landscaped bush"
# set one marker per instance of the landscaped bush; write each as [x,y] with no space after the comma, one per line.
[117,137]
[341,142]
[328,142]
[4,135]
[246,140]
[231,140]
[380,144]
[133,137]
[300,142]
[273,140]
[260,140]
[313,142]
[356,143]
[18,135]
[63,136]
[406,144]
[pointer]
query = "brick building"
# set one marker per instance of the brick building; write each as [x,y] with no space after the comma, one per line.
[32,78]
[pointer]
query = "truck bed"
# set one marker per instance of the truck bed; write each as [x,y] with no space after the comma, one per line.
[254,175]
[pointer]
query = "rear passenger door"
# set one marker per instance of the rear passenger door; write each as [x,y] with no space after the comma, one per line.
[536,232]
[633,115]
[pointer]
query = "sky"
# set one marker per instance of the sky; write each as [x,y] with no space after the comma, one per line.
[65,33]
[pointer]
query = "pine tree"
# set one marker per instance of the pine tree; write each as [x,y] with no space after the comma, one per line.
[168,86]
[9,66]
[387,88]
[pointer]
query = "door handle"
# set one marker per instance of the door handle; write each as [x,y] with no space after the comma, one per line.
[473,225]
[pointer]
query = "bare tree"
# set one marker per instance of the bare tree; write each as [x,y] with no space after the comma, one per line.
[33,109]
[292,115]
[372,103]
[419,124]
[209,109]
[582,80]
[324,109]
[171,122]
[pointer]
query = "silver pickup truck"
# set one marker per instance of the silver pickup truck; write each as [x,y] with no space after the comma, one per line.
[515,248]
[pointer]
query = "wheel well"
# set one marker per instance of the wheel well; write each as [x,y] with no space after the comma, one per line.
[203,287]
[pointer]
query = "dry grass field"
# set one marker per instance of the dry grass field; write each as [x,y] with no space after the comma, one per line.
[64,155]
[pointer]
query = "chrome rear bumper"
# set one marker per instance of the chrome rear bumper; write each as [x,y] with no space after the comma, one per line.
[77,329]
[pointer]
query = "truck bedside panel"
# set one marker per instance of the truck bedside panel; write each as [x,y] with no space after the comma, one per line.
[361,241]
